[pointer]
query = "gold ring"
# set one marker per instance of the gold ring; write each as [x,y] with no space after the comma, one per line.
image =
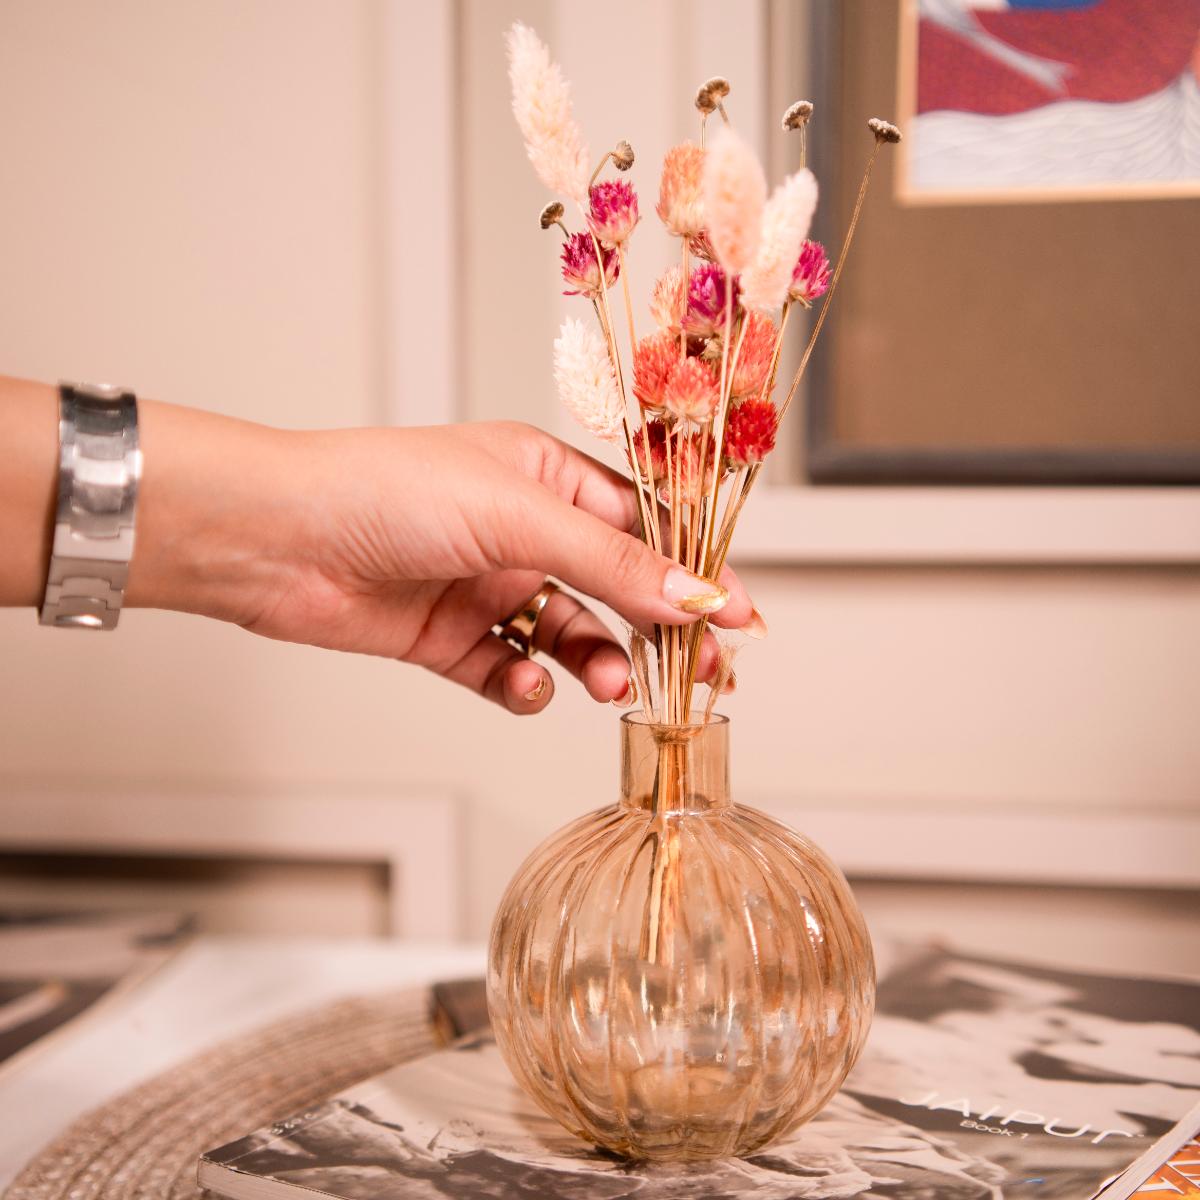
[518,630]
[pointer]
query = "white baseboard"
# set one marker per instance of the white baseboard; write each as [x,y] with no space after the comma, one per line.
[415,836]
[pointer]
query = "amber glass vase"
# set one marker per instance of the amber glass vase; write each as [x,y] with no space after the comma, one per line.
[678,976]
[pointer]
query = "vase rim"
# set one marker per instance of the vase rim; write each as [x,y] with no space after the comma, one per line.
[697,721]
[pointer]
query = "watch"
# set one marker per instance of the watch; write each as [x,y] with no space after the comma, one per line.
[99,466]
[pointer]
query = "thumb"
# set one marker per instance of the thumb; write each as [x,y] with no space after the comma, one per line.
[612,565]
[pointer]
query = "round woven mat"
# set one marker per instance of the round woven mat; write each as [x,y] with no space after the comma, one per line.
[145,1143]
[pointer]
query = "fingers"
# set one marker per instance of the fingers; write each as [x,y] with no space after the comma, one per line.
[539,530]
[589,486]
[503,675]
[573,635]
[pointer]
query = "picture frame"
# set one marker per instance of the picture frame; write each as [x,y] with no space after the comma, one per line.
[1110,392]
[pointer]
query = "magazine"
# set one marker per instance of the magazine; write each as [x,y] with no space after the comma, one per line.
[982,1080]
[54,966]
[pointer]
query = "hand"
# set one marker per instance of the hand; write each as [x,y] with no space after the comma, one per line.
[407,543]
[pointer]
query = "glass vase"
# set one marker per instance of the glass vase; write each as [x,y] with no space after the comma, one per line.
[678,976]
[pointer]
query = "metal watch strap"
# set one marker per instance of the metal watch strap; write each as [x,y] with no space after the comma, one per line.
[98,471]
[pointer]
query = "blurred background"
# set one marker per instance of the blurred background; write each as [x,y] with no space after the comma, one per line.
[979,553]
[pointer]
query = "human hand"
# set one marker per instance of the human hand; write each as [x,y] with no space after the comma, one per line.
[411,544]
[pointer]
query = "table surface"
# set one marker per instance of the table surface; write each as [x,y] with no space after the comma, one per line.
[215,988]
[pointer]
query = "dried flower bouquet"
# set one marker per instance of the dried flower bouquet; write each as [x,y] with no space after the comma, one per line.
[691,403]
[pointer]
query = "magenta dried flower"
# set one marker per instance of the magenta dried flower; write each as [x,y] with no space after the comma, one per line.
[613,211]
[810,275]
[705,313]
[580,271]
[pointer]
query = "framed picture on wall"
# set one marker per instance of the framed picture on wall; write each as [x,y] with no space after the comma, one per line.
[1019,334]
[1010,100]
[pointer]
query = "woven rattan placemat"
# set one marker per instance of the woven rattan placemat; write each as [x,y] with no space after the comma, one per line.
[144,1144]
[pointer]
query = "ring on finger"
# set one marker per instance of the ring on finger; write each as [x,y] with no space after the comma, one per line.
[520,629]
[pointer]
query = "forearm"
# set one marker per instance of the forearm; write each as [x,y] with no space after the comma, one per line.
[204,531]
[28,488]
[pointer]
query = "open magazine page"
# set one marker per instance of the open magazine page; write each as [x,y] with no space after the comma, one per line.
[982,1080]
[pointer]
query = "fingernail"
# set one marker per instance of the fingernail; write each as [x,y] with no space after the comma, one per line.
[627,697]
[756,627]
[730,685]
[535,693]
[691,594]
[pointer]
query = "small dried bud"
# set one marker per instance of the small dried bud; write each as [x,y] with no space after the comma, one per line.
[551,214]
[884,131]
[797,116]
[711,93]
[622,156]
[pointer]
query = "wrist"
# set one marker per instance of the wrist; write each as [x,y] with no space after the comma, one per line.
[28,489]
[209,523]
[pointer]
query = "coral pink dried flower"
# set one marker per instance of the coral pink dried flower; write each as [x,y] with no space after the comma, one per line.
[541,102]
[810,276]
[580,271]
[754,355]
[733,190]
[613,211]
[786,218]
[750,432]
[656,437]
[705,313]
[668,300]
[587,385]
[653,360]
[691,391]
[679,206]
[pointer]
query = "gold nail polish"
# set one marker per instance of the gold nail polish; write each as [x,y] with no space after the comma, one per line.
[536,692]
[703,603]
[628,698]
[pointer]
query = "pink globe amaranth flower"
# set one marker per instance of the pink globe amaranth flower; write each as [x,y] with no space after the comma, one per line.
[580,271]
[810,275]
[691,391]
[750,432]
[653,360]
[679,206]
[754,355]
[613,212]
[705,314]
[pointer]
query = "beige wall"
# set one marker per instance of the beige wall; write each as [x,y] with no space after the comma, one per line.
[194,207]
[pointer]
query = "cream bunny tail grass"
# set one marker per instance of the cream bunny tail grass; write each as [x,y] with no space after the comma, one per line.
[734,191]
[586,383]
[786,219]
[541,102]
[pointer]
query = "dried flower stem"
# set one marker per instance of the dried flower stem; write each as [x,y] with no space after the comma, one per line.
[649,528]
[727,373]
[837,274]
[769,382]
[653,488]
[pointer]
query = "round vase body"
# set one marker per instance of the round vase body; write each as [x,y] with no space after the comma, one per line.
[678,976]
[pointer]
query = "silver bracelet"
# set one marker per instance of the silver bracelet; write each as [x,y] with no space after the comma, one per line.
[99,466]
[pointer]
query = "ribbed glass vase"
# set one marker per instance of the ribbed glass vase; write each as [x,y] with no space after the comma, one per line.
[678,976]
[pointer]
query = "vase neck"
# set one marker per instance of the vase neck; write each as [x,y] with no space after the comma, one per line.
[674,768]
